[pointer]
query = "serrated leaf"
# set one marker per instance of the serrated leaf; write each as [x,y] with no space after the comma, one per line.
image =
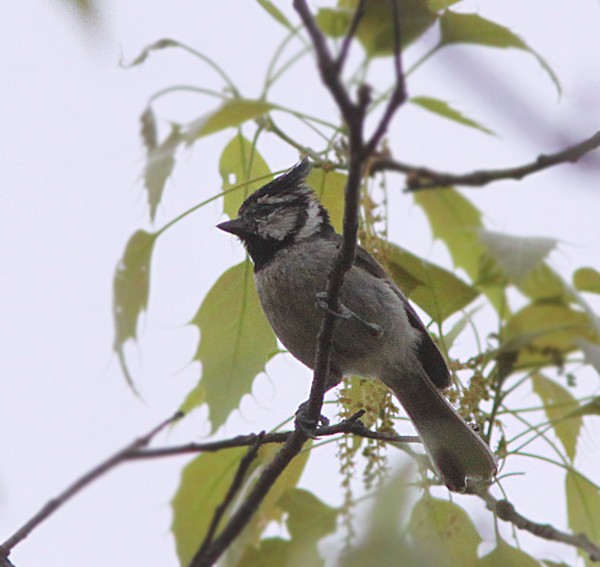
[436,290]
[591,352]
[456,221]
[275,13]
[472,28]
[334,22]
[458,327]
[308,521]
[131,287]
[161,160]
[544,333]
[157,45]
[590,408]
[587,279]
[241,163]
[583,506]
[442,108]
[236,342]
[329,187]
[148,129]
[543,283]
[505,555]
[449,526]
[559,405]
[203,486]
[230,114]
[376,31]
[517,255]
[438,5]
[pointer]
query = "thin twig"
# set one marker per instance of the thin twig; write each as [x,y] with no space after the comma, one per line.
[420,178]
[504,510]
[81,483]
[358,15]
[235,487]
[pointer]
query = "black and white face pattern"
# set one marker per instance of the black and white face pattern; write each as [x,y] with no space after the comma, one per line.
[286,208]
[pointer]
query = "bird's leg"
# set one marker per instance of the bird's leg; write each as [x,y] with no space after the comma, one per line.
[344,313]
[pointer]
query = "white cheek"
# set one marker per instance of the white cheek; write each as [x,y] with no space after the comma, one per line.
[312,224]
[277,225]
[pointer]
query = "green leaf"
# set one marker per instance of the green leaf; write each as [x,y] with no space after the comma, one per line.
[543,283]
[230,114]
[446,527]
[308,521]
[161,160]
[157,45]
[587,279]
[148,130]
[376,31]
[458,327]
[131,287]
[506,556]
[583,504]
[241,163]
[544,333]
[438,5]
[275,13]
[559,405]
[203,486]
[591,352]
[236,342]
[472,28]
[333,22]
[518,256]
[456,221]
[436,290]
[330,187]
[442,108]
[591,408]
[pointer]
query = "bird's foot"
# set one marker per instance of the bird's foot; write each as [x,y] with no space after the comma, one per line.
[306,424]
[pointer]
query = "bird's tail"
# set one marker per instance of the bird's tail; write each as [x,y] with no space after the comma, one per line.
[457,452]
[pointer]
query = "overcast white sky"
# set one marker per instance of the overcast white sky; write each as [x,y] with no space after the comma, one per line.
[70,197]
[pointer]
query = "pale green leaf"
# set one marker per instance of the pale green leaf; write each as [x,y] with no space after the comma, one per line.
[474,29]
[230,114]
[543,283]
[544,332]
[436,290]
[442,108]
[333,22]
[157,45]
[587,279]
[275,13]
[376,31]
[236,342]
[590,408]
[591,352]
[583,509]
[438,5]
[148,130]
[203,486]
[518,256]
[161,160]
[505,555]
[241,163]
[456,221]
[273,551]
[329,187]
[458,327]
[131,287]
[446,527]
[559,404]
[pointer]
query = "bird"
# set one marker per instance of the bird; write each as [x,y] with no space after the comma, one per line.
[378,334]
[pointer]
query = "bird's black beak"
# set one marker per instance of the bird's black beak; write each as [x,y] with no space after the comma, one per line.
[235,226]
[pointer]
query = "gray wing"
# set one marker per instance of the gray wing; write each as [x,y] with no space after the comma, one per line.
[429,355]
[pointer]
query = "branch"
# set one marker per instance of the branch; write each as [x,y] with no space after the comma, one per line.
[235,487]
[81,483]
[420,178]
[504,510]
